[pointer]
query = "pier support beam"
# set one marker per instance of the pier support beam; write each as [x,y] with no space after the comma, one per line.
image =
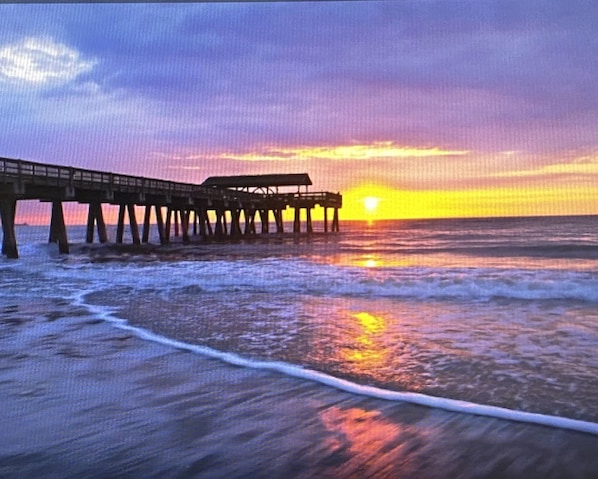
[167,224]
[220,229]
[335,221]
[325,220]
[249,222]
[146,224]
[58,228]
[235,223]
[185,215]
[95,216]
[201,216]
[132,223]
[265,220]
[297,222]
[8,209]
[208,225]
[205,229]
[310,228]
[279,222]
[120,227]
[160,222]
[177,214]
[195,225]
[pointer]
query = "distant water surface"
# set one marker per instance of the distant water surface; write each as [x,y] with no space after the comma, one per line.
[497,312]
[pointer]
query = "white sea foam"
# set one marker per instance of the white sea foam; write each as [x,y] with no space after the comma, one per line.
[296,371]
[300,276]
[304,277]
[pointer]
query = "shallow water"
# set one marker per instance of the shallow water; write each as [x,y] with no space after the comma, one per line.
[434,307]
[82,398]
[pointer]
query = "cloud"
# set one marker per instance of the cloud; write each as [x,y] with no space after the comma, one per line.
[355,151]
[39,61]
[581,166]
[418,93]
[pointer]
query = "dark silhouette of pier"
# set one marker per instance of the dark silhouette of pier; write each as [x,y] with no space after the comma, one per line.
[219,208]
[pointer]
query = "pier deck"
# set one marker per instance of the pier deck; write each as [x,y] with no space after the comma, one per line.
[205,210]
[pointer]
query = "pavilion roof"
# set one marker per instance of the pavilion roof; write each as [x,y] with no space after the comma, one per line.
[258,181]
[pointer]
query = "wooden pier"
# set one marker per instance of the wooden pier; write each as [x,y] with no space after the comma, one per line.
[219,208]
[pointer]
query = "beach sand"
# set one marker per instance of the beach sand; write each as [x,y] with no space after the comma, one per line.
[82,398]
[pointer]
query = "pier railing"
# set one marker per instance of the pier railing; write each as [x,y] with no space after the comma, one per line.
[40,174]
[318,198]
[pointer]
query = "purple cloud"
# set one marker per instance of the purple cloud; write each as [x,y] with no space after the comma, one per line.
[173,80]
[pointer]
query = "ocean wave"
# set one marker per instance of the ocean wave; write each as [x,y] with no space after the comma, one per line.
[303,277]
[466,284]
[300,372]
[480,284]
[481,249]
[552,251]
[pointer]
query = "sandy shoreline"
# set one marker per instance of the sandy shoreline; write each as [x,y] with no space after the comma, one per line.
[84,399]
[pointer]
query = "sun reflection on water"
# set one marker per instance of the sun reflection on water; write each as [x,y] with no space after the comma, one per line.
[376,347]
[371,323]
[366,351]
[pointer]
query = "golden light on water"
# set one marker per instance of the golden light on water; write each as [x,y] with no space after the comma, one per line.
[367,351]
[371,323]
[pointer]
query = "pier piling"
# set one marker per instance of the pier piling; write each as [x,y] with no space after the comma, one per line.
[160,224]
[95,217]
[9,238]
[264,219]
[120,227]
[146,224]
[185,215]
[335,227]
[58,228]
[297,221]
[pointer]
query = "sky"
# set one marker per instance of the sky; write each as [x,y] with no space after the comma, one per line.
[417,108]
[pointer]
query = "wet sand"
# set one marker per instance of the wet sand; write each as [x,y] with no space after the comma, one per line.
[81,398]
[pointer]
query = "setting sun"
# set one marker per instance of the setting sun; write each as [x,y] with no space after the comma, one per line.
[371,203]
[377,202]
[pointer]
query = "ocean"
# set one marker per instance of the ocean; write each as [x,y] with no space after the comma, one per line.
[483,319]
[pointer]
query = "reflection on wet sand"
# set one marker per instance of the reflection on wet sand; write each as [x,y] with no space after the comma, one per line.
[368,441]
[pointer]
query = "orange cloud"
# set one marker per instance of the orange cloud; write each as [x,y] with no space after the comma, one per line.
[356,151]
[584,165]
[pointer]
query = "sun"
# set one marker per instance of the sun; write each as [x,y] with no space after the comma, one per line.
[371,203]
